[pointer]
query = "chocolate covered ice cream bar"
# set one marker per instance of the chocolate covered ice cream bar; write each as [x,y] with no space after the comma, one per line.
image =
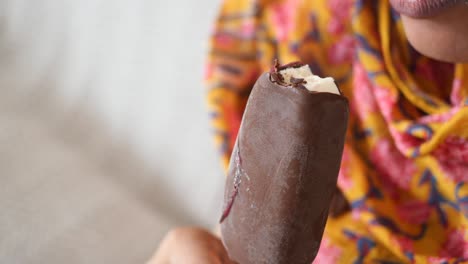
[284,167]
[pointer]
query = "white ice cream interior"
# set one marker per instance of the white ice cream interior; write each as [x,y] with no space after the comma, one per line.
[314,82]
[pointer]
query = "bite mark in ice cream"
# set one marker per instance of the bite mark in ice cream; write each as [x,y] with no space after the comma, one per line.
[297,74]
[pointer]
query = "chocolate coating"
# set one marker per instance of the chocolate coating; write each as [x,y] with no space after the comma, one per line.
[283,174]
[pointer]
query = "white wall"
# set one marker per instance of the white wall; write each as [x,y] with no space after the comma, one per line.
[123,79]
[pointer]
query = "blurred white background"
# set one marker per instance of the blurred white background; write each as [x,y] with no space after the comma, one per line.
[104,137]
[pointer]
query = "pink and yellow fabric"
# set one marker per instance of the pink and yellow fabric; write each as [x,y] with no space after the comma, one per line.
[405,163]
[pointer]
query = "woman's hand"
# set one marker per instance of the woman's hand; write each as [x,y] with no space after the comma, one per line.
[191,245]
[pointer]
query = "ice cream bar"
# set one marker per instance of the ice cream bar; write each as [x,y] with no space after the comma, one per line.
[284,167]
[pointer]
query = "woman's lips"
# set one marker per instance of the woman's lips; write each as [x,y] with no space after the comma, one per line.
[422,8]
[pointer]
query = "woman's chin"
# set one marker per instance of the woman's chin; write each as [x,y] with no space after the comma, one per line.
[443,37]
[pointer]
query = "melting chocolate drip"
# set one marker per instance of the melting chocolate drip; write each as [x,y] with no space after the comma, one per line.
[237,181]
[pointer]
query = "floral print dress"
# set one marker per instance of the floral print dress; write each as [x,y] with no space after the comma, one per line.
[404,170]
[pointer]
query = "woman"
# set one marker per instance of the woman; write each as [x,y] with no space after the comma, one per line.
[405,163]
